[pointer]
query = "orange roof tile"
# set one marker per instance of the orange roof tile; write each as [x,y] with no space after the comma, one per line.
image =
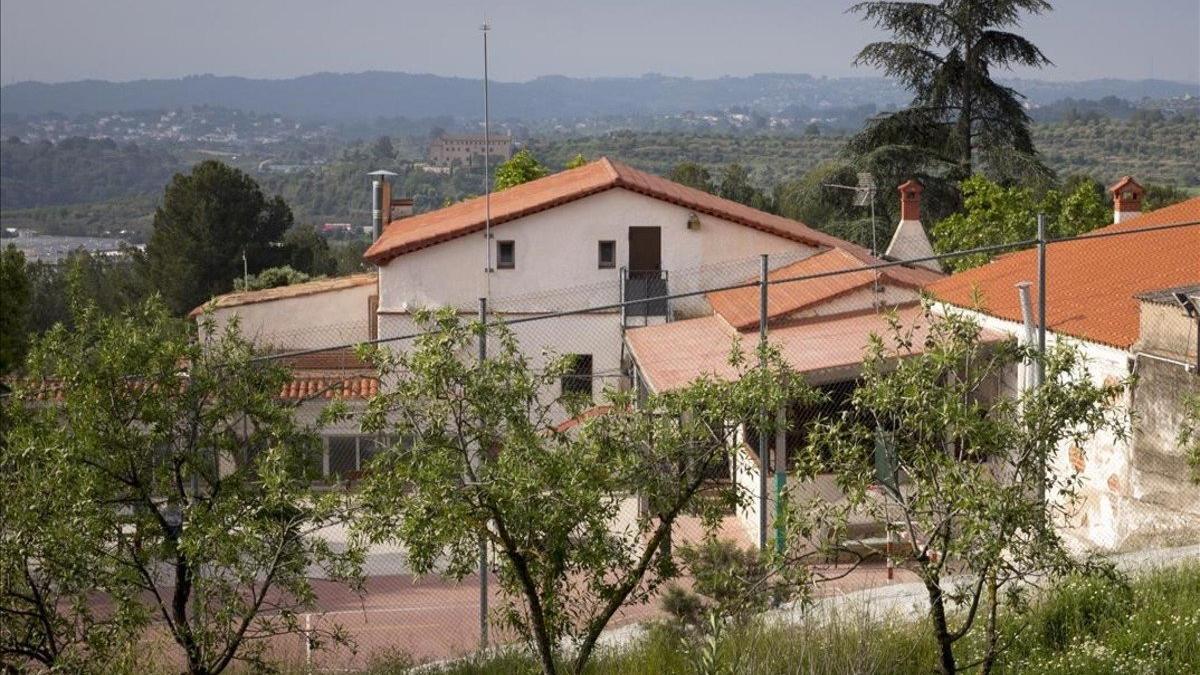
[1091,284]
[304,387]
[671,355]
[426,229]
[739,306]
[293,291]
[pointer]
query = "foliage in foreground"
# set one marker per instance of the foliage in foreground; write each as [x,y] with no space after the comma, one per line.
[156,490]
[959,474]
[482,456]
[1085,626]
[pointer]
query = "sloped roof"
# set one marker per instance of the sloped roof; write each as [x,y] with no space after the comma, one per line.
[1092,283]
[739,306]
[301,387]
[426,229]
[671,355]
[281,292]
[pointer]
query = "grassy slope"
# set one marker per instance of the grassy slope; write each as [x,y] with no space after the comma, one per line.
[1081,627]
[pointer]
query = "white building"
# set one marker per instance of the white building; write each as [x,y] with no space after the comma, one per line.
[586,238]
[1114,297]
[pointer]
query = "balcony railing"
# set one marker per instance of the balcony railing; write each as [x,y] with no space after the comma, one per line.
[644,285]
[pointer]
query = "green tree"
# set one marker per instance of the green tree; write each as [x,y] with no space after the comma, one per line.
[963,470]
[520,168]
[994,215]
[811,201]
[272,277]
[945,53]
[483,457]
[383,149]
[15,292]
[208,220]
[1158,196]
[692,175]
[165,482]
[308,252]
[577,161]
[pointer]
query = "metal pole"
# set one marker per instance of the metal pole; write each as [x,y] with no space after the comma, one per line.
[487,177]
[762,435]
[1041,271]
[780,476]
[483,551]
[1040,371]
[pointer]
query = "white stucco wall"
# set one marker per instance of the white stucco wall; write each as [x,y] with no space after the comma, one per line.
[556,257]
[325,319]
[1109,514]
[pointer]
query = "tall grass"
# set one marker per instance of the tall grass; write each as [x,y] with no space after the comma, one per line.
[1084,626]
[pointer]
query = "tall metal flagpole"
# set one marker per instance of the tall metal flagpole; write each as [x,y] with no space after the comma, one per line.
[487,178]
[483,303]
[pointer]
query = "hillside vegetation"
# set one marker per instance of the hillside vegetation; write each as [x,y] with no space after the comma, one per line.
[85,186]
[1161,151]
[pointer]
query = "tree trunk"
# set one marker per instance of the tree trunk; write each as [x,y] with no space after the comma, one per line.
[992,638]
[179,606]
[937,611]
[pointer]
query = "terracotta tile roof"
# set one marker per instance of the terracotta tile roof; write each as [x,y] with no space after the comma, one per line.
[740,306]
[330,386]
[590,413]
[426,229]
[292,291]
[302,386]
[1091,284]
[671,355]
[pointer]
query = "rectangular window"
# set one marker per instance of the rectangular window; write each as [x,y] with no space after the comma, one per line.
[506,255]
[579,379]
[343,455]
[608,254]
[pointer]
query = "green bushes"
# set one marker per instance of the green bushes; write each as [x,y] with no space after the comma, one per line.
[1086,626]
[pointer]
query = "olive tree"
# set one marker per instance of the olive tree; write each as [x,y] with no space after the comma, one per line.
[961,474]
[156,485]
[481,453]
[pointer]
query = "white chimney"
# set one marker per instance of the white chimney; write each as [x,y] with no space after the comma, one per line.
[910,241]
[1127,199]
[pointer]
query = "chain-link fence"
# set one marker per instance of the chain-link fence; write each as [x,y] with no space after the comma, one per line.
[825,314]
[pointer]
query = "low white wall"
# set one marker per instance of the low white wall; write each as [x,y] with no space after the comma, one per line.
[326,319]
[747,476]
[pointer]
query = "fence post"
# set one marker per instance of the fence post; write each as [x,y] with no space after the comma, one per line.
[1040,371]
[762,436]
[483,551]
[1041,272]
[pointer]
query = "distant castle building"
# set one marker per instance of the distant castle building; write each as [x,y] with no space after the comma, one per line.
[467,148]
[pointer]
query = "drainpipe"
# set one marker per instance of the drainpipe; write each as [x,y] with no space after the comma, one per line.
[1030,336]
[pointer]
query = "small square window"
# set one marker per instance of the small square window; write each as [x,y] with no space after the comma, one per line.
[608,254]
[579,379]
[506,255]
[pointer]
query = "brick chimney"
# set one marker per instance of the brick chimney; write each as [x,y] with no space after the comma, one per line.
[910,200]
[910,242]
[1127,199]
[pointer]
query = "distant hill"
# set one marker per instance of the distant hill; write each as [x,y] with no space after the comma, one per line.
[363,96]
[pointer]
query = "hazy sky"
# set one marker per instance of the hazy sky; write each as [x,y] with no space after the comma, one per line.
[58,40]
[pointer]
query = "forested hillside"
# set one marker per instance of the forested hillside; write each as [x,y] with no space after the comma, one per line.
[84,186]
[1156,150]
[79,170]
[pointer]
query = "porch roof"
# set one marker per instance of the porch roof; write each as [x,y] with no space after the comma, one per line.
[823,349]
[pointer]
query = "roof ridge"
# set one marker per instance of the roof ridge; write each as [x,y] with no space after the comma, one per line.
[609,166]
